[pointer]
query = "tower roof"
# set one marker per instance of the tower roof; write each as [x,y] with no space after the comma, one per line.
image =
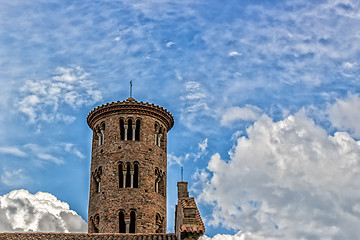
[130,106]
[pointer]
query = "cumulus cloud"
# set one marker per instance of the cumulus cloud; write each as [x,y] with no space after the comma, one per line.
[238,236]
[287,180]
[247,113]
[344,114]
[43,100]
[22,211]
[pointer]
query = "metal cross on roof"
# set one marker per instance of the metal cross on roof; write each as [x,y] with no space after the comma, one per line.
[131,88]
[182,174]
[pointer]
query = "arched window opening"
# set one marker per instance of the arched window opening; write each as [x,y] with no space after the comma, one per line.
[96,223]
[136,175]
[100,132]
[161,186]
[132,221]
[156,134]
[159,182]
[122,129]
[137,131]
[129,130]
[157,178]
[159,224]
[121,176]
[128,176]
[122,225]
[97,179]
[160,136]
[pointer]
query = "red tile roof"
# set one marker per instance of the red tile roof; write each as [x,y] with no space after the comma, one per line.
[191,225]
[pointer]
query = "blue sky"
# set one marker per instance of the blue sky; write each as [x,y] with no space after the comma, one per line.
[264,96]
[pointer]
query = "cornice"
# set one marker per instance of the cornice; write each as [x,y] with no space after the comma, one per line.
[131,106]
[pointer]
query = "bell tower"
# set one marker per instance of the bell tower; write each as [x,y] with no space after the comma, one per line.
[128,167]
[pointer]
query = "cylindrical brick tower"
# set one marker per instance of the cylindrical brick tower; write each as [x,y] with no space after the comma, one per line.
[128,167]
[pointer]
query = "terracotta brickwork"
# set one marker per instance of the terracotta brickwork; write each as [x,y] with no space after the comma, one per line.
[128,173]
[188,222]
[85,236]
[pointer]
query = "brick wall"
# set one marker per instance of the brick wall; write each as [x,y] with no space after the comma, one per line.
[112,198]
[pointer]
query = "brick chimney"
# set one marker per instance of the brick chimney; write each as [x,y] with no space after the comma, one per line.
[182,190]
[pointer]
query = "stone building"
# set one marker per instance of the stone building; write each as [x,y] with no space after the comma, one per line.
[128,183]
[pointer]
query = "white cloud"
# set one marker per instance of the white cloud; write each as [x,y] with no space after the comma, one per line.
[238,236]
[53,153]
[192,156]
[45,100]
[344,114]
[169,44]
[195,105]
[46,154]
[247,113]
[348,65]
[14,178]
[22,211]
[13,151]
[172,159]
[287,180]
[203,145]
[232,54]
[69,147]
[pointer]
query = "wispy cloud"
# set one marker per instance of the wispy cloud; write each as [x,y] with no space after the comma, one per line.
[15,178]
[192,156]
[53,153]
[13,151]
[43,100]
[71,148]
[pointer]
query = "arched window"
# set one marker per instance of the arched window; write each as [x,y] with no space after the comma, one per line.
[122,225]
[158,134]
[157,128]
[96,223]
[100,132]
[136,176]
[132,221]
[97,179]
[157,176]
[159,223]
[128,176]
[161,186]
[137,131]
[122,129]
[159,182]
[121,176]
[129,130]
